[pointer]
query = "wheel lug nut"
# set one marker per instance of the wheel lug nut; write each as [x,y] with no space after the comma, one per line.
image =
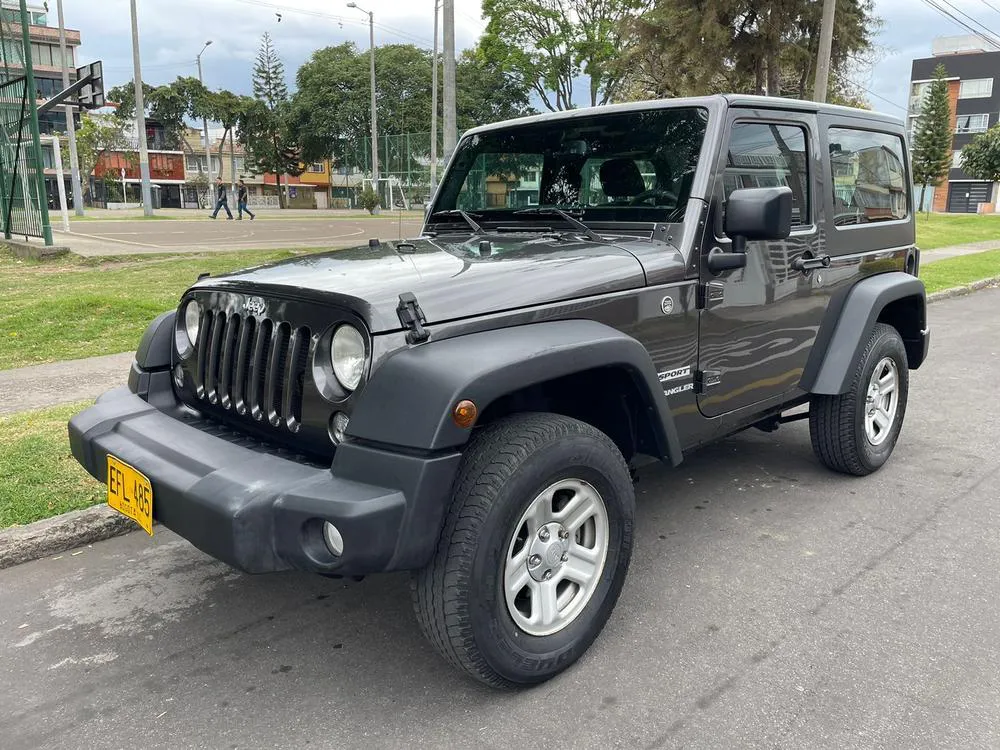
[547,575]
[534,561]
[543,534]
[565,556]
[563,534]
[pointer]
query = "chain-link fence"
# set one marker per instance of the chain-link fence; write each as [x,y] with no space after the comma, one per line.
[404,164]
[23,207]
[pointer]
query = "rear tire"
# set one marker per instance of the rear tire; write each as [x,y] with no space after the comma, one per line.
[855,432]
[534,551]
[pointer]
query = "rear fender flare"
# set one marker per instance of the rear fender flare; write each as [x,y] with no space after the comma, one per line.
[847,328]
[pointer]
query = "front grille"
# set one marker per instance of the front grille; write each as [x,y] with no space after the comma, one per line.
[252,367]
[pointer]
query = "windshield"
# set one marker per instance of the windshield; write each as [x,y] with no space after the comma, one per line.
[615,167]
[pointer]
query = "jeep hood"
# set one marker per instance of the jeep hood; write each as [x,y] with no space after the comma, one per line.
[449,276]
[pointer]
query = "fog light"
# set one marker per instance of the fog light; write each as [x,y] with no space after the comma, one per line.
[334,541]
[178,376]
[338,427]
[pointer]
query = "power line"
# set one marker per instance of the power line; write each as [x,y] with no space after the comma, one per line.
[995,41]
[990,5]
[341,19]
[975,21]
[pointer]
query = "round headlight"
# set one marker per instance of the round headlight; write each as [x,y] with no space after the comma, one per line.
[348,356]
[192,316]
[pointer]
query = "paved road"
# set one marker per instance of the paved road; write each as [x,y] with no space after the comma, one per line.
[770,604]
[130,237]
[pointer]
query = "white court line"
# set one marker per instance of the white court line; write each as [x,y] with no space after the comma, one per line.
[111,239]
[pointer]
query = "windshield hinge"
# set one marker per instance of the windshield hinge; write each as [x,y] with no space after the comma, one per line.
[412,318]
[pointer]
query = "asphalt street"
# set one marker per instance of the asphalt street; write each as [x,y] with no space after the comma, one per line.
[120,237]
[770,604]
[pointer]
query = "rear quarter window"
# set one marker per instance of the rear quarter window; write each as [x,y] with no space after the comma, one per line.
[869,177]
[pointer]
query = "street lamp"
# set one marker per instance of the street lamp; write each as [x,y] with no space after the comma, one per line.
[371,43]
[204,122]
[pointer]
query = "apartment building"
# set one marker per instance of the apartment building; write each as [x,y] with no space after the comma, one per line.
[47,64]
[974,91]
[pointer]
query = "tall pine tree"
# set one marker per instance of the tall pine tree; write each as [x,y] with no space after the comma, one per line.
[269,75]
[263,129]
[932,141]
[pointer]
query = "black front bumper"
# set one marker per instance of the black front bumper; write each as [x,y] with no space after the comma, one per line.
[262,512]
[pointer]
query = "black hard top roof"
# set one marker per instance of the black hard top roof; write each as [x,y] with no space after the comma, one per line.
[713,103]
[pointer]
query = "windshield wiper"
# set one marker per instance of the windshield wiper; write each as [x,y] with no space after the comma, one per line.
[586,231]
[459,212]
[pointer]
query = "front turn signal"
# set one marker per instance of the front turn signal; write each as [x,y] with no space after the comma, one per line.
[464,414]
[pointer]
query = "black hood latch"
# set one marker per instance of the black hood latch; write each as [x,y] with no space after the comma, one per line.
[411,317]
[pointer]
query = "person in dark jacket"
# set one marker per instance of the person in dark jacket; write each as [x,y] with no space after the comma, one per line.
[241,201]
[221,199]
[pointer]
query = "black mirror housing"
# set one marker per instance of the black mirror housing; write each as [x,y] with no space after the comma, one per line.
[759,213]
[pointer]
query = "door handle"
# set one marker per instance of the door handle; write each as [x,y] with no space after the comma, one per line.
[809,263]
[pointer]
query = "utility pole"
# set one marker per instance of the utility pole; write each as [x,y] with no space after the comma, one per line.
[434,103]
[371,47]
[204,123]
[825,51]
[140,119]
[450,126]
[74,163]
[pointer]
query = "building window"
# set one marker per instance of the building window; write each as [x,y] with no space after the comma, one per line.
[975,88]
[972,123]
[316,168]
[869,181]
[191,163]
[765,155]
[956,159]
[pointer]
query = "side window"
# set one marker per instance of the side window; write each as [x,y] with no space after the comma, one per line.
[769,155]
[869,181]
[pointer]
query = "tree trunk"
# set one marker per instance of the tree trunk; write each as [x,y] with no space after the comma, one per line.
[281,197]
[773,74]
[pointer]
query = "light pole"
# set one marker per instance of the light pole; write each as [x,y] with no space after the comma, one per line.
[74,162]
[434,103]
[204,123]
[371,43]
[140,119]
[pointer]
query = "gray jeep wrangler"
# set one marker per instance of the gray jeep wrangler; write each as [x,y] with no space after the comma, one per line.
[588,287]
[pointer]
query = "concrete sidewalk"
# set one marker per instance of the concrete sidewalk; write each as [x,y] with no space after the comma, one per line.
[970,248]
[38,386]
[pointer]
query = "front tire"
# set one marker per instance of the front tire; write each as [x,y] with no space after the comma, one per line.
[855,432]
[534,551]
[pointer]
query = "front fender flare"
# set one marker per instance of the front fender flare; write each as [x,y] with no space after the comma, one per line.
[409,399]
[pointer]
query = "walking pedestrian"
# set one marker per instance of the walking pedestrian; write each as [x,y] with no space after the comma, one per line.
[241,202]
[221,199]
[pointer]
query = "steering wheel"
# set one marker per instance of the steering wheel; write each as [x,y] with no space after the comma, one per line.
[645,195]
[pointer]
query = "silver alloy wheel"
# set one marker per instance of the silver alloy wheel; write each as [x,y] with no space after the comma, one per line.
[555,557]
[881,401]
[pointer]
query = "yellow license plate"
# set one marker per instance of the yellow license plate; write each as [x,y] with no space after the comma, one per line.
[130,493]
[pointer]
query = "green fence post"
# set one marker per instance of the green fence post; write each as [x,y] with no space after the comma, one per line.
[36,141]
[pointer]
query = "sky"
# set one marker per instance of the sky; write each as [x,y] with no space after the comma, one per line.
[173,31]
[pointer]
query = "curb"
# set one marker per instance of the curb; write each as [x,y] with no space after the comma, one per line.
[50,536]
[959,291]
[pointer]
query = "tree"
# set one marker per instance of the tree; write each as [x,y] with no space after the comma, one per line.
[369,200]
[330,110]
[269,75]
[263,122]
[225,108]
[931,158]
[171,105]
[981,158]
[550,44]
[96,136]
[202,189]
[693,47]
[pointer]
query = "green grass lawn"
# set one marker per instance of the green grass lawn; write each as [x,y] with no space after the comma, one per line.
[964,269]
[74,307]
[38,475]
[941,230]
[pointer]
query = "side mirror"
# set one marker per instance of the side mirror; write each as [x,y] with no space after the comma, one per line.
[758,214]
